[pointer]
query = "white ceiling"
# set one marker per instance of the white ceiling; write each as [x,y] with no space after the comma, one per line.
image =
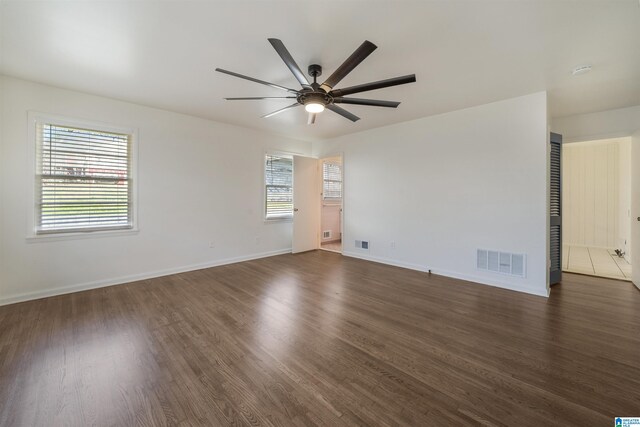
[464,53]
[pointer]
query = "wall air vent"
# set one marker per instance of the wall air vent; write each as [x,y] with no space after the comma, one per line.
[326,234]
[501,262]
[362,244]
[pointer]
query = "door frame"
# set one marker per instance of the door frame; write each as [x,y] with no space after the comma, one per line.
[635,208]
[633,222]
[321,183]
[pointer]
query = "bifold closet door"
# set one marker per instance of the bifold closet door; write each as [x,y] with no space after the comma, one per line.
[555,210]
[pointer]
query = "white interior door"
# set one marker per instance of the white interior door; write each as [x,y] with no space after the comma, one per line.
[635,208]
[306,204]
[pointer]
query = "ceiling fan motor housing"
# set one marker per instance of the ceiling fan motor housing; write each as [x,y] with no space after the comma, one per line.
[319,97]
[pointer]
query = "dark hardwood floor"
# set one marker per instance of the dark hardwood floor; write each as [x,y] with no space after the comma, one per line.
[321,339]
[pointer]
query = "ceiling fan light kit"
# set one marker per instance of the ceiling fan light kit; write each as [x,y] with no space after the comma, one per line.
[314,107]
[316,97]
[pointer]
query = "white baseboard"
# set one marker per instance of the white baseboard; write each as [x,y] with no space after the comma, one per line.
[455,275]
[134,277]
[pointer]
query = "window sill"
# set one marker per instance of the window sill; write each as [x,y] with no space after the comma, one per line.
[277,220]
[76,235]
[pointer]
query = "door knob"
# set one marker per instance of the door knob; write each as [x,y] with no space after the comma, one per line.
[296,210]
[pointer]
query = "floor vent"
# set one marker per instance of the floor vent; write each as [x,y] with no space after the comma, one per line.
[502,262]
[326,234]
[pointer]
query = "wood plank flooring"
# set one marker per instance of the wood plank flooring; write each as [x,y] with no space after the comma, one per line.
[321,339]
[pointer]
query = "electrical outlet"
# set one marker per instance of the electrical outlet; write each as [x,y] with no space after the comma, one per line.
[393,245]
[212,244]
[257,240]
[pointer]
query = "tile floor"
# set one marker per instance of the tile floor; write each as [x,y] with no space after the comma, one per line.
[595,261]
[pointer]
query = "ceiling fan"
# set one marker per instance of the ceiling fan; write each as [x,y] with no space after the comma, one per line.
[316,97]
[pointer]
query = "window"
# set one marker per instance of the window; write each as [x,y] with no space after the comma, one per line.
[279,187]
[83,179]
[331,181]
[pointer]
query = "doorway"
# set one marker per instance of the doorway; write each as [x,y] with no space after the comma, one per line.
[596,203]
[331,202]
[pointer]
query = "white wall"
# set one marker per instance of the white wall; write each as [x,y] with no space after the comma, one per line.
[452,183]
[635,208]
[624,195]
[198,182]
[601,125]
[2,246]
[595,193]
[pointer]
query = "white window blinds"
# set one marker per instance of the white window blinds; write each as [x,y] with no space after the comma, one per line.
[332,181]
[279,187]
[83,180]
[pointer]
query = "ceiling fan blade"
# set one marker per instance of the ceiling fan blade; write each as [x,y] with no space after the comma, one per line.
[347,66]
[344,113]
[280,110]
[251,79]
[411,78]
[288,60]
[259,97]
[372,102]
[312,118]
